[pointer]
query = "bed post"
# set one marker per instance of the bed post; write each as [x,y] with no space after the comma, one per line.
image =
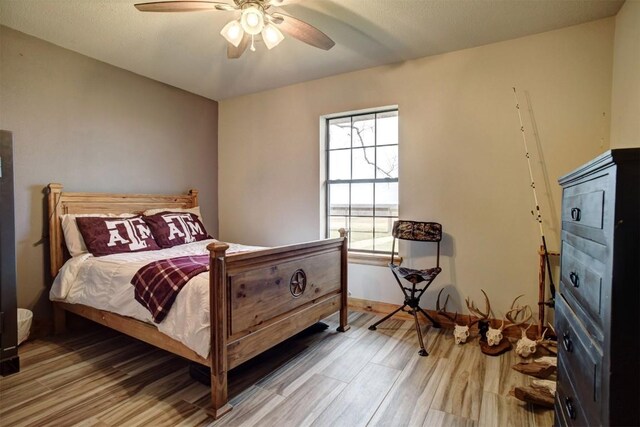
[344,293]
[56,258]
[218,321]
[55,239]
[194,197]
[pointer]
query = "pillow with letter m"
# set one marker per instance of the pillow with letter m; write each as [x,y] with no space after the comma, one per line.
[176,228]
[106,236]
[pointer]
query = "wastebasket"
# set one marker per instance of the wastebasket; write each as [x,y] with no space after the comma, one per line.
[24,324]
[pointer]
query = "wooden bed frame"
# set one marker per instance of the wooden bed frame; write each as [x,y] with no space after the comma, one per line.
[253,306]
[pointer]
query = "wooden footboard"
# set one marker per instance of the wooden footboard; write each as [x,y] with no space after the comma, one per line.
[257,299]
[261,298]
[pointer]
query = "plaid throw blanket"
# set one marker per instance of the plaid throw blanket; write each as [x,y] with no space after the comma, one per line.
[158,283]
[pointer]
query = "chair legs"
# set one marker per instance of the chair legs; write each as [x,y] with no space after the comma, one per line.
[414,313]
[411,300]
[373,327]
[422,351]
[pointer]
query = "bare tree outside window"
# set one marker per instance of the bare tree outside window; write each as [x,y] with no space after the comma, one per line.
[362,184]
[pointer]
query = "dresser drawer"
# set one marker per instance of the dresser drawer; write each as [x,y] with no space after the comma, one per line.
[568,408]
[585,210]
[600,254]
[582,281]
[579,360]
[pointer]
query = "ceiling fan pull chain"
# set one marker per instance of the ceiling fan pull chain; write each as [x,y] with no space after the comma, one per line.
[253,47]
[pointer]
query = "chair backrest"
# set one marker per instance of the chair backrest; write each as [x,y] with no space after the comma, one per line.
[417,231]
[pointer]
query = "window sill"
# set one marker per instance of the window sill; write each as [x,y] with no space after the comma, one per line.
[380,260]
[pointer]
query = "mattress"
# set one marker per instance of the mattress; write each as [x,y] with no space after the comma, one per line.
[105,283]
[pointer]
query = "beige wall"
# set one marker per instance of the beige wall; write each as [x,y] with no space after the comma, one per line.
[625,97]
[461,154]
[94,127]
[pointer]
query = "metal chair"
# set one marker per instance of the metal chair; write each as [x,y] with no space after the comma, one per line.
[423,232]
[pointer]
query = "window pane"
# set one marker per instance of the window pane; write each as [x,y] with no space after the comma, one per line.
[340,133]
[383,238]
[363,151]
[387,161]
[340,164]
[336,223]
[362,199]
[387,128]
[364,130]
[387,199]
[339,199]
[361,234]
[364,163]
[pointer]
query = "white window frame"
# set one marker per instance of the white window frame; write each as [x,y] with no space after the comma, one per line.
[357,256]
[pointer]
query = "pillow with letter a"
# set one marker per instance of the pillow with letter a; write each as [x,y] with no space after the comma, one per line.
[106,236]
[72,236]
[176,228]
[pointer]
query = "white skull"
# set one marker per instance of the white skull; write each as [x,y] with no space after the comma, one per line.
[525,346]
[460,333]
[494,336]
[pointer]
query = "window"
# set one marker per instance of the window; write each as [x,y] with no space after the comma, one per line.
[362,178]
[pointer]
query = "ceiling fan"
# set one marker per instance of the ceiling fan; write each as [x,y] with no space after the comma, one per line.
[257,17]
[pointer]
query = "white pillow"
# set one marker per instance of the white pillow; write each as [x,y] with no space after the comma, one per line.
[195,210]
[72,236]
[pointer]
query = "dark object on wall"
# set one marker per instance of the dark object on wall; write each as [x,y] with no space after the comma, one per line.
[597,309]
[423,232]
[9,361]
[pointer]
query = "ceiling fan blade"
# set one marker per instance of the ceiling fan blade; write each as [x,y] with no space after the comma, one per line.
[275,19]
[236,52]
[182,6]
[302,31]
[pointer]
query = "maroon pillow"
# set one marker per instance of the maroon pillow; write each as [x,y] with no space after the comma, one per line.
[106,236]
[176,228]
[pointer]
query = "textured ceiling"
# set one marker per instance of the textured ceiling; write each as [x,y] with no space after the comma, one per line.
[185,49]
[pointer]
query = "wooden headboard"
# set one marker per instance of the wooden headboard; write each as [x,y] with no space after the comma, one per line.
[61,203]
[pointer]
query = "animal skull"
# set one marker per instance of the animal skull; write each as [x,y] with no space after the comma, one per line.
[494,336]
[461,333]
[525,347]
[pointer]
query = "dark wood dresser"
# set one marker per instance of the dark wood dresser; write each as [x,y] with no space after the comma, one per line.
[9,360]
[597,316]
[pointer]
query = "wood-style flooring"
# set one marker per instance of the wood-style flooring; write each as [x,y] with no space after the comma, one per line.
[357,378]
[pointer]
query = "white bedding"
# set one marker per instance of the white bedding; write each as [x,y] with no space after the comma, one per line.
[105,283]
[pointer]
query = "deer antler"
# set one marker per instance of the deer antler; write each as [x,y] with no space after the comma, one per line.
[518,311]
[541,339]
[552,328]
[473,309]
[443,311]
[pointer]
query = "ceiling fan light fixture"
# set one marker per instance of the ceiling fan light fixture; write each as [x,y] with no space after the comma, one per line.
[252,20]
[256,17]
[271,36]
[233,32]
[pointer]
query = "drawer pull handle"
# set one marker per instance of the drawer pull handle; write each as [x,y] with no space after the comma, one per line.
[566,342]
[575,280]
[568,404]
[575,214]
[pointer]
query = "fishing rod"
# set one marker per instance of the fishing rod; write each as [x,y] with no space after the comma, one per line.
[538,214]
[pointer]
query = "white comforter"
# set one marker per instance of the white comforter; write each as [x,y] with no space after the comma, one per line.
[105,283]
